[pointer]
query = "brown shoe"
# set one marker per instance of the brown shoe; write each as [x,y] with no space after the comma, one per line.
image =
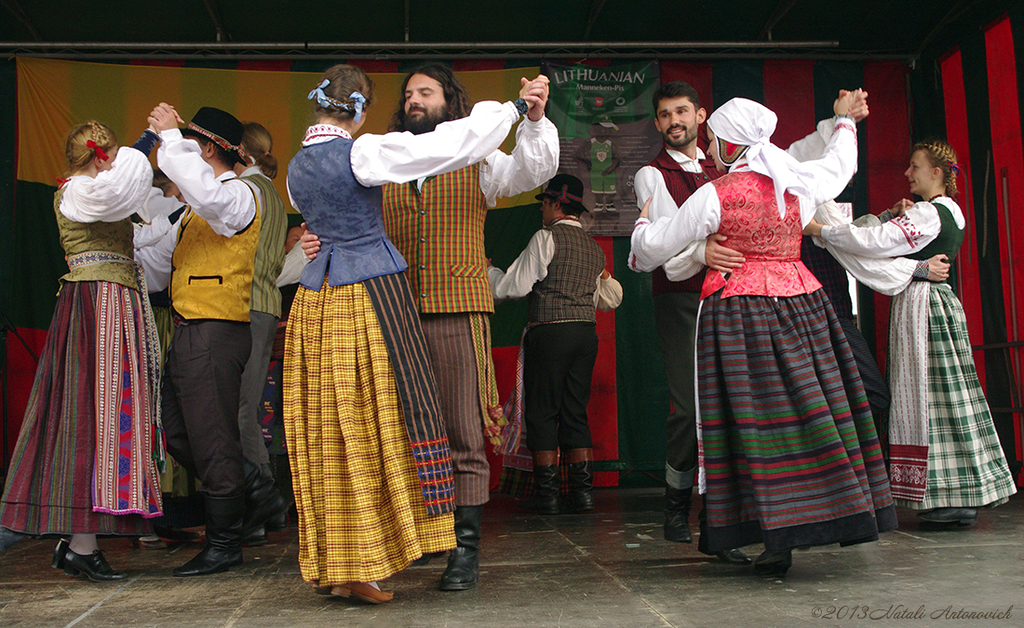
[362,592]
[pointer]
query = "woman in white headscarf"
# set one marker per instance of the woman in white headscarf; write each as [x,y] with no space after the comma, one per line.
[790,453]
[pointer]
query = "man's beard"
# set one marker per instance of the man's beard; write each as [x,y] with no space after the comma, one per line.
[424,123]
[689,136]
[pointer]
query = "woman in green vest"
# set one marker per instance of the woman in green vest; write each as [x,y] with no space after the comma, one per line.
[946,461]
[87,455]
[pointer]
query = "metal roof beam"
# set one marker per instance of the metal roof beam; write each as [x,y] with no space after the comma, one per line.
[15,9]
[218,21]
[780,12]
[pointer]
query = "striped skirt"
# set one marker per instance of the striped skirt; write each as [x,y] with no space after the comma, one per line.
[791,457]
[362,515]
[57,483]
[949,436]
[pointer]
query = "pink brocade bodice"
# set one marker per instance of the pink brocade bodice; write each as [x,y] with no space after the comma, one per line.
[770,244]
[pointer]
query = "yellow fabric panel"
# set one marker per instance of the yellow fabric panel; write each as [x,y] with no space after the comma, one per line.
[54,95]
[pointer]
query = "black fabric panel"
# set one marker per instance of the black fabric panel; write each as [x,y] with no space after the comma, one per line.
[738,79]
[38,259]
[8,131]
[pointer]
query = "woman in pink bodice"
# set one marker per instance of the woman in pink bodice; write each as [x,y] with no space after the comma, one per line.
[790,454]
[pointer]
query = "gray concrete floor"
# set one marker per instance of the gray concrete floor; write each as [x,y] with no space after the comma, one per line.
[609,568]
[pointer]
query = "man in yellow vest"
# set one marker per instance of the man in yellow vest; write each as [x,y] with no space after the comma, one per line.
[211,285]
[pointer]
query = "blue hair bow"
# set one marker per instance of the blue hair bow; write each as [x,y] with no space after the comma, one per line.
[327,102]
[359,100]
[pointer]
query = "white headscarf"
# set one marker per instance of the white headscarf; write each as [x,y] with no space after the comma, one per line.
[748,123]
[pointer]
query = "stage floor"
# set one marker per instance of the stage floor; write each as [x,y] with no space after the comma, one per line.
[608,568]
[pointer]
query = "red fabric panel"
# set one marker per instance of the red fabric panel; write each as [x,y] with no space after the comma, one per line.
[505,372]
[19,380]
[1008,161]
[886,140]
[955,101]
[163,63]
[789,92]
[375,66]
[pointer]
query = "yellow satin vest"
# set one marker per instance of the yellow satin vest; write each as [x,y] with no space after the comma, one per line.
[212,276]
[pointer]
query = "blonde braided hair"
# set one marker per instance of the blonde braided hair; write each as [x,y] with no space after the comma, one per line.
[78,153]
[941,155]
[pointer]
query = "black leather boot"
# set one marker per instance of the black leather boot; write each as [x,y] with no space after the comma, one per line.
[581,480]
[464,561]
[93,565]
[262,500]
[546,484]
[224,518]
[677,514]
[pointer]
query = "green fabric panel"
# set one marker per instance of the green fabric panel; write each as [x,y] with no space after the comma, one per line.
[640,375]
[38,259]
[8,89]
[738,79]
[506,233]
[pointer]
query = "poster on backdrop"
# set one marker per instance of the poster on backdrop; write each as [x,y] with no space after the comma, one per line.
[606,131]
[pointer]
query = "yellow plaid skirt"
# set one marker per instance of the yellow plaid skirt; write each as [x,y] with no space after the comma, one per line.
[361,512]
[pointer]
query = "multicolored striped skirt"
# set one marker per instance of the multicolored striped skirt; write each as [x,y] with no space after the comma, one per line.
[790,453]
[91,386]
[957,460]
[362,514]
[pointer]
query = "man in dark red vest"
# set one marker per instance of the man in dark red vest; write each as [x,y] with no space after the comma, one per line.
[679,169]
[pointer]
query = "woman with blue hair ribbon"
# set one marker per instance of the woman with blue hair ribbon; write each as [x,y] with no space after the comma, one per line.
[790,454]
[371,465]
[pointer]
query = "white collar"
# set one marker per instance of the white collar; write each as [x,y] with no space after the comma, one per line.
[320,133]
[682,158]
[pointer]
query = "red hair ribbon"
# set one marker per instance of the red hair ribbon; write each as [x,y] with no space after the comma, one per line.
[954,167]
[99,151]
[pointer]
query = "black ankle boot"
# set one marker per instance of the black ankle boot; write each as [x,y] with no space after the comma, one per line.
[677,513]
[94,566]
[262,500]
[774,563]
[224,516]
[734,556]
[464,561]
[581,480]
[546,484]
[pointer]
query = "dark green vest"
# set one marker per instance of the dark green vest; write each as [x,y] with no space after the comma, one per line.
[111,237]
[948,241]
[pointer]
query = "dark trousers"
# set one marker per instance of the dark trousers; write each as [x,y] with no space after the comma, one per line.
[675,320]
[558,366]
[200,402]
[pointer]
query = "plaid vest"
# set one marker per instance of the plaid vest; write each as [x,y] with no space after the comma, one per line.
[266,297]
[681,185]
[440,233]
[567,293]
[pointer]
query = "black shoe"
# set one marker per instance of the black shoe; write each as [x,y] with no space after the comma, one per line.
[961,516]
[735,556]
[677,514]
[581,480]
[94,566]
[774,563]
[59,553]
[223,538]
[426,558]
[463,569]
[277,522]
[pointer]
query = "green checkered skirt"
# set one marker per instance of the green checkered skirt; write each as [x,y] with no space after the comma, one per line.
[966,466]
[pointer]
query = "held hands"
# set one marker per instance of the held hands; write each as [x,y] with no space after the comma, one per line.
[901,207]
[938,268]
[853,104]
[164,117]
[719,257]
[535,93]
[309,242]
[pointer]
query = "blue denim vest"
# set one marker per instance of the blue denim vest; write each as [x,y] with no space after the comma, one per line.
[345,215]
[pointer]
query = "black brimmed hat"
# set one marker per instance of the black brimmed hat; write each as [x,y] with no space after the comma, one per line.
[566,189]
[221,128]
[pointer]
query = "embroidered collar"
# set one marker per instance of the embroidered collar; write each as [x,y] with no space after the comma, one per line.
[319,133]
[570,220]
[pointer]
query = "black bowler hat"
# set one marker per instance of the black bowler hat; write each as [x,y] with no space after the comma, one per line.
[220,127]
[566,189]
